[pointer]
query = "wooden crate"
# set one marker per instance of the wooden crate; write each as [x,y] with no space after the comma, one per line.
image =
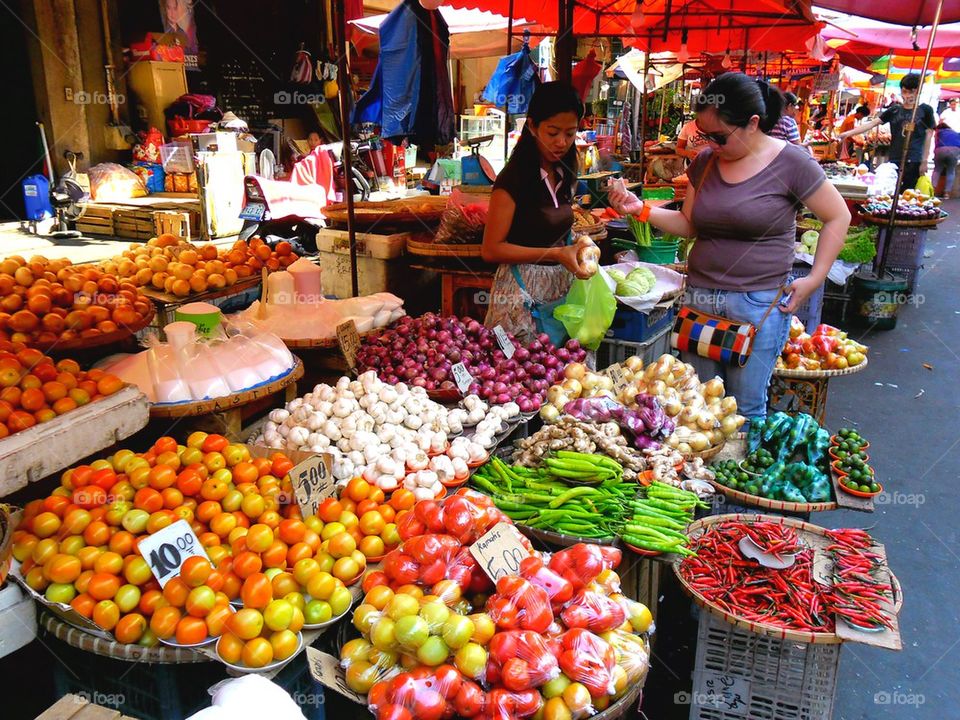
[97,219]
[77,707]
[182,223]
[640,580]
[133,223]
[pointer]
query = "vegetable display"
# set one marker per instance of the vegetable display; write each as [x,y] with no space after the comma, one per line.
[637,282]
[790,598]
[859,245]
[911,205]
[577,382]
[827,348]
[422,351]
[645,425]
[656,521]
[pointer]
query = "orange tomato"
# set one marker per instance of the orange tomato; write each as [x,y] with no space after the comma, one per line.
[164,621]
[330,509]
[257,653]
[97,533]
[281,465]
[257,591]
[162,476]
[84,604]
[214,443]
[245,472]
[230,648]
[165,444]
[108,562]
[357,489]
[176,592]
[106,614]
[246,623]
[216,619]
[402,499]
[275,556]
[189,482]
[195,571]
[103,586]
[200,601]
[151,601]
[148,499]
[130,628]
[246,564]
[259,538]
[62,568]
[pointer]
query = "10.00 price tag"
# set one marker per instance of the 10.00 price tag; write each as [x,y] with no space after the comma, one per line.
[166,551]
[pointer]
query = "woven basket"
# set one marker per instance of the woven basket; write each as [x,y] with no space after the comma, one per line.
[798,374]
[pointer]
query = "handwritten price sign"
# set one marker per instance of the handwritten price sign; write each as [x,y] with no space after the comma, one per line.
[312,483]
[462,377]
[349,340]
[500,551]
[167,550]
[505,343]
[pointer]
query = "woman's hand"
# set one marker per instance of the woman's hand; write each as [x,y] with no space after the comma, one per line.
[622,200]
[799,290]
[567,256]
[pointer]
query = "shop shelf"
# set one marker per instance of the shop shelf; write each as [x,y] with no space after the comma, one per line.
[42,450]
[739,674]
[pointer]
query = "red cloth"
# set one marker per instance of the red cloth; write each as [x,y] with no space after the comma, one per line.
[316,169]
[584,72]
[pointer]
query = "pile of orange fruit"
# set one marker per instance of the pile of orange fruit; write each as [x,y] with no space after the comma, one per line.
[35,389]
[43,301]
[171,264]
[79,545]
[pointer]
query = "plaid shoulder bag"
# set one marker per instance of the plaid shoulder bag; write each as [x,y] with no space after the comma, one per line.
[711,336]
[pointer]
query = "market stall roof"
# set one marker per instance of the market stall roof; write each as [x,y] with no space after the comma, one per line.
[900,12]
[473,33]
[711,25]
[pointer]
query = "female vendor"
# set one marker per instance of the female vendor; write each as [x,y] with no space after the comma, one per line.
[741,204]
[531,216]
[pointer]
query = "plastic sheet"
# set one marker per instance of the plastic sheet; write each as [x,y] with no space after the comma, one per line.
[426,694]
[520,660]
[520,605]
[581,564]
[587,659]
[426,560]
[464,516]
[594,611]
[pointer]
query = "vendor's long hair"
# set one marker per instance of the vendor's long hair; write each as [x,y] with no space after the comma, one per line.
[549,99]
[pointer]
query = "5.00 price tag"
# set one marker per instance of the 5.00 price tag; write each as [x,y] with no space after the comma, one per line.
[500,551]
[312,483]
[462,377]
[167,550]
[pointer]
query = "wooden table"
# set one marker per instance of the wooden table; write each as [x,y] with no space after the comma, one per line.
[76,707]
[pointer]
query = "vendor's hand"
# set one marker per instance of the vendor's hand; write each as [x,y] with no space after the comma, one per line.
[567,256]
[622,200]
[801,289]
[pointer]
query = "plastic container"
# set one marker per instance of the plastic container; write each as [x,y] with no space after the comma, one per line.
[635,326]
[168,385]
[774,679]
[615,351]
[308,281]
[658,253]
[177,157]
[281,288]
[877,300]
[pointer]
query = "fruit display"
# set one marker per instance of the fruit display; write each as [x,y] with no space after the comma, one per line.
[911,205]
[855,472]
[78,546]
[44,302]
[422,352]
[758,461]
[828,348]
[555,639]
[37,388]
[170,264]
[847,440]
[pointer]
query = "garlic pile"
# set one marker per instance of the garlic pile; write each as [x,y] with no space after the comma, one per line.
[486,421]
[383,432]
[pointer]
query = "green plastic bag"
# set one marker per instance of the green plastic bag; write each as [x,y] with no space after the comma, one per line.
[924,185]
[588,310]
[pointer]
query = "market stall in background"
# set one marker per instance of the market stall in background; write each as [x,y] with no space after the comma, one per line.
[287,446]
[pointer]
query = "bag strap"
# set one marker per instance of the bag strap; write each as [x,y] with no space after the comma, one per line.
[770,309]
[706,171]
[516,276]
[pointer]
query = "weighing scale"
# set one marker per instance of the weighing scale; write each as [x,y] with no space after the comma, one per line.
[474,168]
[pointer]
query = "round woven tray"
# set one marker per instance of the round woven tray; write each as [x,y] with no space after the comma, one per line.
[561,540]
[227,402]
[83,640]
[424,209]
[762,502]
[705,455]
[698,527]
[798,374]
[84,343]
[929,222]
[425,249]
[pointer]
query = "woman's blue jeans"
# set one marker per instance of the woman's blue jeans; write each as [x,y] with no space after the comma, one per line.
[749,383]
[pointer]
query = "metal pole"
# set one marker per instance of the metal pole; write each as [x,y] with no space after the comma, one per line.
[343,73]
[643,117]
[506,105]
[906,142]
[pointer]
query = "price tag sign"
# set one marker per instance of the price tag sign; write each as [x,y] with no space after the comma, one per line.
[326,670]
[349,340]
[616,374]
[462,377]
[312,483]
[500,551]
[505,344]
[167,550]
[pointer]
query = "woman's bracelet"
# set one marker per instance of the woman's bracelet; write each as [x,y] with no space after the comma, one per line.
[644,213]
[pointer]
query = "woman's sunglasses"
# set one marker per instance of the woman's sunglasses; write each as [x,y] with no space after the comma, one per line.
[719,139]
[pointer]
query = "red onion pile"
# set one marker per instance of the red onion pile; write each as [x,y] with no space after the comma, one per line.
[421,351]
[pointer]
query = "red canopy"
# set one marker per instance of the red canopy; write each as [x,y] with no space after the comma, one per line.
[711,25]
[901,12]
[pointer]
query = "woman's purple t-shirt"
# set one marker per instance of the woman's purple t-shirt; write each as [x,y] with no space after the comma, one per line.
[746,231]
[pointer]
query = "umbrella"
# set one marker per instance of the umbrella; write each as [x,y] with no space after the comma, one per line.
[901,12]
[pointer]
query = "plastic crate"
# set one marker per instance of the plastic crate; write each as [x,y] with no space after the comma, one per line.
[636,326]
[614,351]
[739,674]
[906,247]
[809,313]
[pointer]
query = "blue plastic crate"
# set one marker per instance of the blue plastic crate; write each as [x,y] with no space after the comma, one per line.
[809,313]
[635,326]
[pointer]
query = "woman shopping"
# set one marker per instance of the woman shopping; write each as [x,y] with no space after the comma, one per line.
[946,153]
[741,204]
[531,216]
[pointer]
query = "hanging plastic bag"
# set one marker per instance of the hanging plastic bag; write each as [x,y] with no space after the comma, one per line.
[588,311]
[112,182]
[924,185]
